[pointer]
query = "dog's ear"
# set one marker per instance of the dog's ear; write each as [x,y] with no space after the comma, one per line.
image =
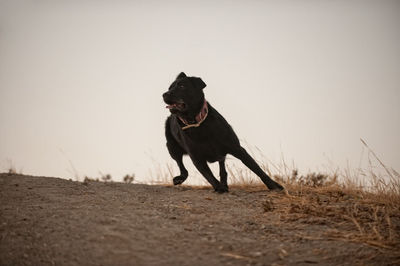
[198,82]
[181,75]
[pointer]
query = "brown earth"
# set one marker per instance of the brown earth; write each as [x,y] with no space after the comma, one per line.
[52,221]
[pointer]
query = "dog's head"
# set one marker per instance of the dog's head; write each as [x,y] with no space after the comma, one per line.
[185,95]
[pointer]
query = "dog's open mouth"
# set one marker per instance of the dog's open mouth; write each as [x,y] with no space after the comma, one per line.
[176,106]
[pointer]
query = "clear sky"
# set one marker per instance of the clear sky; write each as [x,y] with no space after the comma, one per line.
[81,81]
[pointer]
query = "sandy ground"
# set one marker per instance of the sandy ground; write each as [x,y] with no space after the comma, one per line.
[52,221]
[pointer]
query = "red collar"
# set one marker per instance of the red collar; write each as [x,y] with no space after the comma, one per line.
[199,118]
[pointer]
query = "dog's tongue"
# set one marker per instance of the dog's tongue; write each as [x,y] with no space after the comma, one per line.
[172,106]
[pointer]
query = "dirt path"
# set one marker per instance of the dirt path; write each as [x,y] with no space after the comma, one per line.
[51,221]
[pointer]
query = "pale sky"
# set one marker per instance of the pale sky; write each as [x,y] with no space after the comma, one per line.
[81,81]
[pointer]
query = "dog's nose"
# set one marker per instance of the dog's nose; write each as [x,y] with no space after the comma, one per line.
[165,95]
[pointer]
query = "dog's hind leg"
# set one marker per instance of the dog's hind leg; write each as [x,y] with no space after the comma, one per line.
[203,168]
[242,155]
[223,174]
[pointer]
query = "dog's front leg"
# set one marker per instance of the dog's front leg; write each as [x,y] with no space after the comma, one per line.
[203,168]
[177,153]
[184,173]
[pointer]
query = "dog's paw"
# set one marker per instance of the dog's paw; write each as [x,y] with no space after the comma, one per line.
[275,187]
[221,189]
[179,180]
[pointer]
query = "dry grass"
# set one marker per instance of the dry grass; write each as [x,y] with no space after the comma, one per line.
[11,169]
[362,205]
[352,211]
[108,178]
[351,215]
[161,174]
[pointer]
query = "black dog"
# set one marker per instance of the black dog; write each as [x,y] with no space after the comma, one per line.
[197,129]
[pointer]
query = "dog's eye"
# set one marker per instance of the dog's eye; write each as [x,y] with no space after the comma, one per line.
[181,86]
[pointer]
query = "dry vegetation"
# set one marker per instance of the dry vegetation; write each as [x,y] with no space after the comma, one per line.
[351,213]
[320,218]
[363,210]
[360,206]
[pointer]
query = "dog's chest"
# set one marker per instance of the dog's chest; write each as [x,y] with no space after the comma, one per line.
[203,146]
